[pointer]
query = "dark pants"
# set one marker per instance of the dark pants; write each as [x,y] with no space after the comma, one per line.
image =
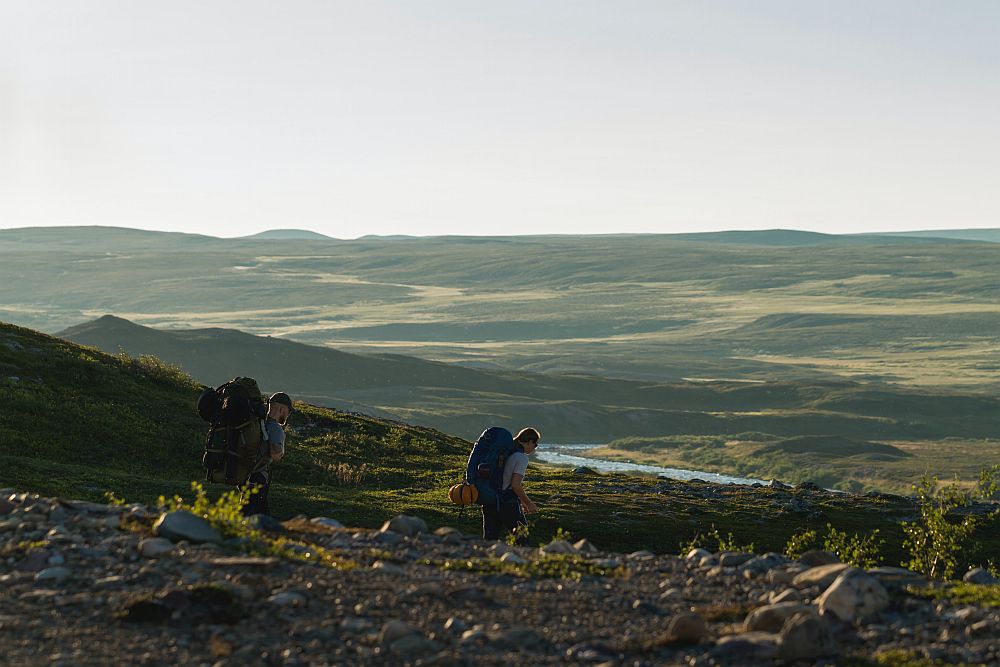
[258,501]
[508,517]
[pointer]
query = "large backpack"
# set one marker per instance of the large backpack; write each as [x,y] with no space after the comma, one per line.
[486,464]
[236,411]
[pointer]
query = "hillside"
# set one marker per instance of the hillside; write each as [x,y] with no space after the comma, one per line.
[80,422]
[939,430]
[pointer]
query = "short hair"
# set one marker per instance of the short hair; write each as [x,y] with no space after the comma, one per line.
[528,435]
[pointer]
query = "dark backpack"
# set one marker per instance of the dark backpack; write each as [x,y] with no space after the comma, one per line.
[236,411]
[486,463]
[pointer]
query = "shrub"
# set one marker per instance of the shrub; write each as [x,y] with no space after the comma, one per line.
[864,552]
[801,542]
[935,542]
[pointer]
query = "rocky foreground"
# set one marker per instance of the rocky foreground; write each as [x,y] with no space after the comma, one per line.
[91,584]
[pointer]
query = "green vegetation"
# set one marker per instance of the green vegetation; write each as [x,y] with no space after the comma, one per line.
[80,423]
[977,594]
[857,550]
[548,566]
[936,542]
[713,540]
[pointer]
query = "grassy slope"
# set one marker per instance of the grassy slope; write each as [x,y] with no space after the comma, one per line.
[703,417]
[78,422]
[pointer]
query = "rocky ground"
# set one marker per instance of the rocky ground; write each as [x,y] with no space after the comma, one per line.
[90,584]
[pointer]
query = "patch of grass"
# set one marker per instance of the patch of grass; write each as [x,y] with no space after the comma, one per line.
[548,566]
[977,594]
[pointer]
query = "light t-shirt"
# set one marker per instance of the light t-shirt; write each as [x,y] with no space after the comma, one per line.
[516,465]
[275,444]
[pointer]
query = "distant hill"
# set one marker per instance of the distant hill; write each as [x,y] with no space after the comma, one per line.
[290,235]
[982,235]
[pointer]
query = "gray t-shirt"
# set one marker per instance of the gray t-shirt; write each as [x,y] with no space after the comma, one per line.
[516,465]
[275,444]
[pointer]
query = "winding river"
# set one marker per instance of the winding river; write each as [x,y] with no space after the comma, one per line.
[569,455]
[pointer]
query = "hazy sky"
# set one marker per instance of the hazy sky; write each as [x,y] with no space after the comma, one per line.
[474,117]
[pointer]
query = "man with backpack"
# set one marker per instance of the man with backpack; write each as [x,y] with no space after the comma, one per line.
[279,407]
[514,503]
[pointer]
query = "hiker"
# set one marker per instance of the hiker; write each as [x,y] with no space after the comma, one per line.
[279,407]
[514,502]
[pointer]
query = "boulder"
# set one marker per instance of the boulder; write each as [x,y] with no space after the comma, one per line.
[405,525]
[734,558]
[53,574]
[853,597]
[897,578]
[821,576]
[979,576]
[154,547]
[584,470]
[326,522]
[761,564]
[182,525]
[806,636]
[772,617]
[817,557]
[747,647]
[585,547]
[687,628]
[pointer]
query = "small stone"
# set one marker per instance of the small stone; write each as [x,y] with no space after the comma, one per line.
[980,629]
[695,555]
[413,645]
[788,595]
[355,624]
[154,547]
[513,558]
[287,599]
[585,547]
[53,574]
[766,563]
[455,626]
[805,636]
[387,568]
[395,630]
[6,507]
[686,627]
[182,525]
[671,594]
[405,525]
[558,547]
[498,549]
[979,576]
[642,555]
[326,522]
[853,597]
[35,561]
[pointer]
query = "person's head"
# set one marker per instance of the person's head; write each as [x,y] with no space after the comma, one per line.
[279,406]
[528,439]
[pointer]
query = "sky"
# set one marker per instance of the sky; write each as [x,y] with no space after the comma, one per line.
[429,117]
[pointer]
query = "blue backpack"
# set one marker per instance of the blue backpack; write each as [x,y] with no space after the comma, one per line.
[486,463]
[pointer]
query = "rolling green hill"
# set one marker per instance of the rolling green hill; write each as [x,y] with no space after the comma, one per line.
[937,429]
[78,422]
[887,309]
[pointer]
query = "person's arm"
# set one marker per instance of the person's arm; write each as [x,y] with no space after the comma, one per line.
[518,489]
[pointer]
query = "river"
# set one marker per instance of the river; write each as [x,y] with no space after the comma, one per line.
[569,455]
